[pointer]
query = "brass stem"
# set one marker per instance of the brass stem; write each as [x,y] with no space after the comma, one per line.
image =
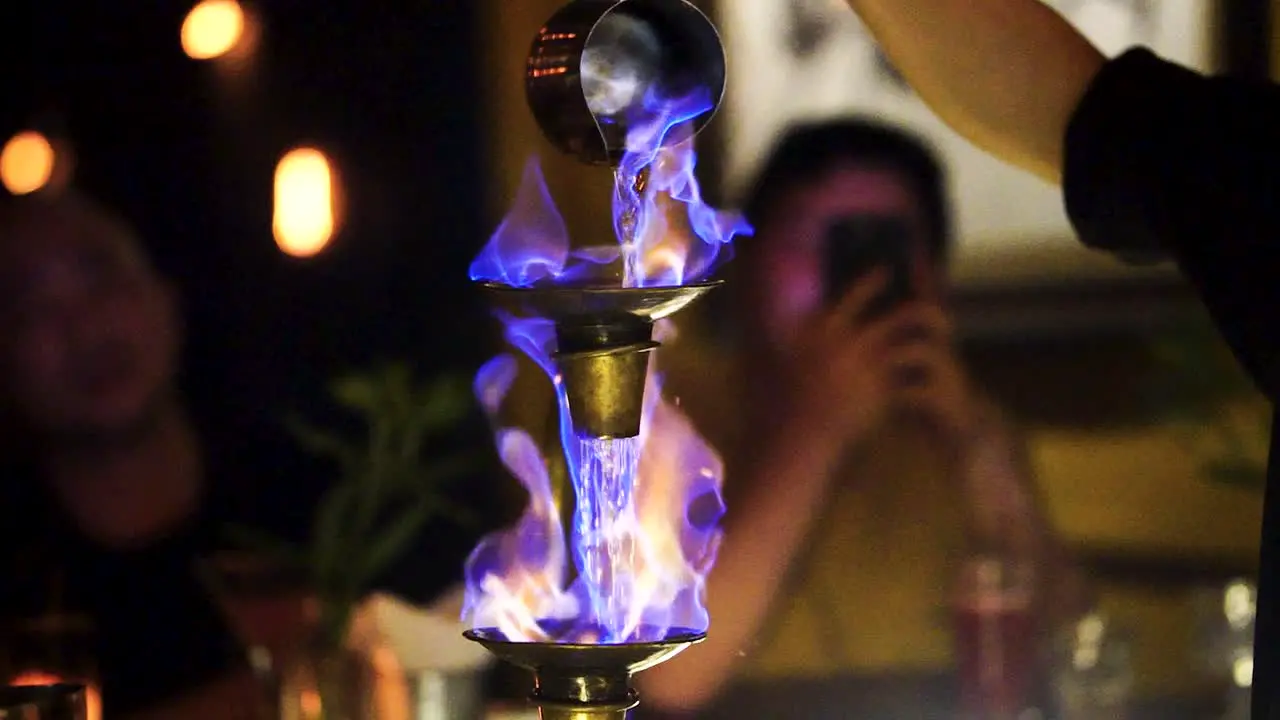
[583,696]
[551,710]
[604,366]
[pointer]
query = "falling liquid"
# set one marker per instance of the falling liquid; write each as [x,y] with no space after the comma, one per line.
[629,206]
[604,521]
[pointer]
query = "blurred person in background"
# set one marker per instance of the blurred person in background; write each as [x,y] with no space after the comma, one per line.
[115,488]
[864,465]
[1154,160]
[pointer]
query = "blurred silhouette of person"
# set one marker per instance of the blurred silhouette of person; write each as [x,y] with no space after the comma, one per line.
[1154,161]
[866,463]
[116,485]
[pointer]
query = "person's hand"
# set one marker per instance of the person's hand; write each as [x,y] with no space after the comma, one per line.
[845,372]
[933,382]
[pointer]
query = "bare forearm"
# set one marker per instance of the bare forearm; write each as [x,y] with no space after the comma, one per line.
[765,531]
[1005,74]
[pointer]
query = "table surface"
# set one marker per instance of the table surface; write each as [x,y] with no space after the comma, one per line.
[510,712]
[885,698]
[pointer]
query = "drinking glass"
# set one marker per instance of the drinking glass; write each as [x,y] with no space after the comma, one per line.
[995,636]
[43,702]
[269,607]
[1224,640]
[50,650]
[1093,671]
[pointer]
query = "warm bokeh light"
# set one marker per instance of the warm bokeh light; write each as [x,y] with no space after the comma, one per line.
[92,699]
[26,162]
[303,219]
[212,29]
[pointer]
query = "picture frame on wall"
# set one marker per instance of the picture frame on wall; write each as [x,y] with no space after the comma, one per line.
[801,60]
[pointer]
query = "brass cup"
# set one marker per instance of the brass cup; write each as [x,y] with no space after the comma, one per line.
[604,337]
[574,681]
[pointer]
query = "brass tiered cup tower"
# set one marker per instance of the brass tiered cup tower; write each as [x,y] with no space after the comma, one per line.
[589,69]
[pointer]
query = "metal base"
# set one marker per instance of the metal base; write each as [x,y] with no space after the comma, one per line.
[580,681]
[604,336]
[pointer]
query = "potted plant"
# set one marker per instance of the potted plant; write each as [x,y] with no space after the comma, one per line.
[388,487]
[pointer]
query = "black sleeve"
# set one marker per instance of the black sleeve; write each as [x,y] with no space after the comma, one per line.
[1161,160]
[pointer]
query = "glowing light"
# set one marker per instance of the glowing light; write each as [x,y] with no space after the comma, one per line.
[1242,671]
[1239,604]
[212,29]
[303,220]
[92,699]
[310,702]
[26,162]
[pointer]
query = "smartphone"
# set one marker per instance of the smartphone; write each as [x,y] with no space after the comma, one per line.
[857,245]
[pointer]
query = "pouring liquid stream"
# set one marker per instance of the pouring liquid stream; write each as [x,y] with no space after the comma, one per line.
[606,525]
[605,517]
[629,190]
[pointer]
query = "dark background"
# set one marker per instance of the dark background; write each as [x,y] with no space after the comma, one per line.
[187,150]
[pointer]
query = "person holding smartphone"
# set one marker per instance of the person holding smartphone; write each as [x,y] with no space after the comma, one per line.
[862,461]
[1154,161]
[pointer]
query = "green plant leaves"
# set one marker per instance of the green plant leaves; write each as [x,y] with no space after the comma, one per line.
[385,547]
[388,488]
[324,444]
[328,530]
[361,394]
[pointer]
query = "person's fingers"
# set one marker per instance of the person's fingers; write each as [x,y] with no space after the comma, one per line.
[921,354]
[912,324]
[849,309]
[921,320]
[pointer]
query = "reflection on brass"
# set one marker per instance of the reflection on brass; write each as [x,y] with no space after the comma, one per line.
[595,66]
[580,681]
[604,336]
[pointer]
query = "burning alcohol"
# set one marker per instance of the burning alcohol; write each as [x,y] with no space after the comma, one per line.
[644,533]
[640,556]
[645,530]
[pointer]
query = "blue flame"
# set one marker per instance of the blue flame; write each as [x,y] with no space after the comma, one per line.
[665,150]
[517,579]
[532,247]
[667,235]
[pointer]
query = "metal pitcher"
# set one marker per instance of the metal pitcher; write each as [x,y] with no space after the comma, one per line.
[43,702]
[596,66]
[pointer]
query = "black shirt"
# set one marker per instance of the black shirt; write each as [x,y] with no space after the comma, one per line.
[157,632]
[1161,160]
